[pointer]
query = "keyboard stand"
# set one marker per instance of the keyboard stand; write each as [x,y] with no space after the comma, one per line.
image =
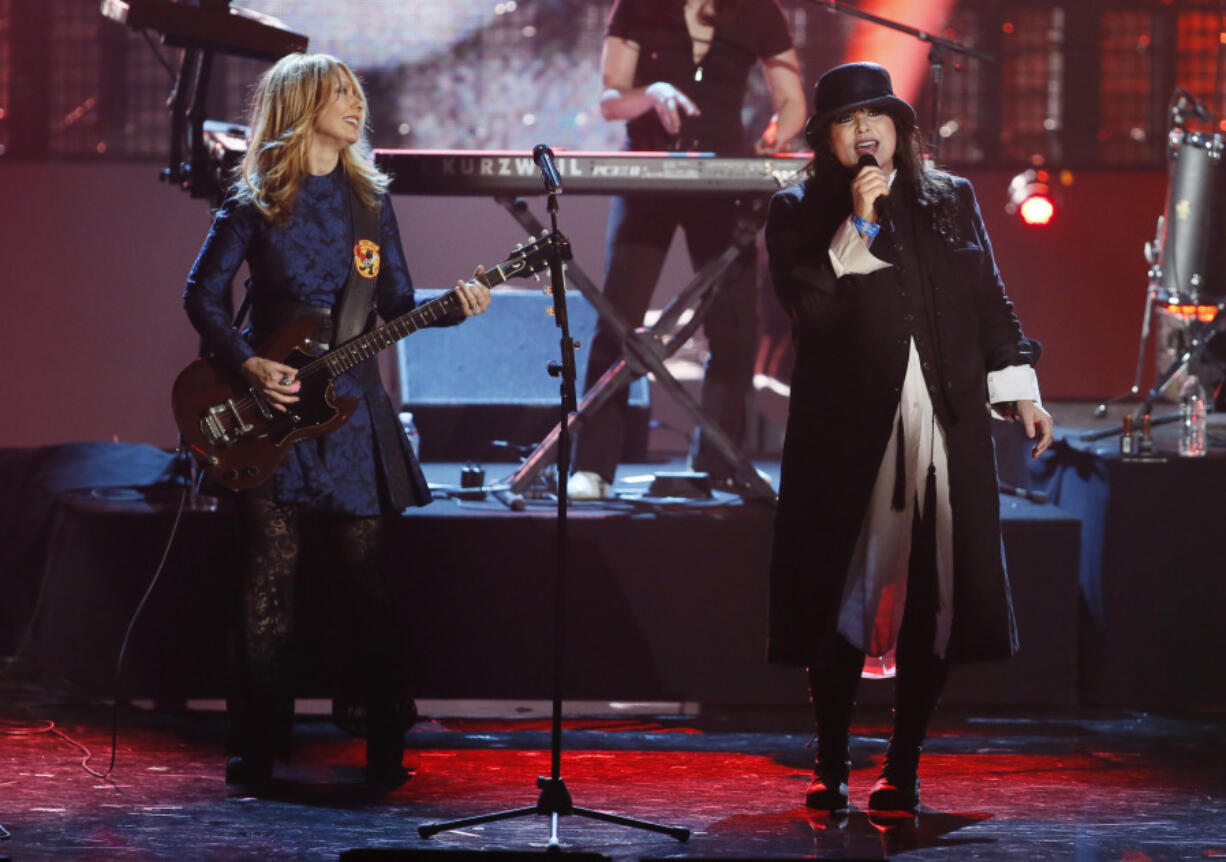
[644,351]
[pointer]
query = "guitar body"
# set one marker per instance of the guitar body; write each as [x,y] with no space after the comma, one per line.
[241,437]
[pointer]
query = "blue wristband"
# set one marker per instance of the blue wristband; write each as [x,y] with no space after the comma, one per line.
[866,227]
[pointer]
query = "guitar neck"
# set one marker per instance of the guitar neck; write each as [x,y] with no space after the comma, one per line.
[380,338]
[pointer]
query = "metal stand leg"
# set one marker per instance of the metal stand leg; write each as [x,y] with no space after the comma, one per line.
[1201,333]
[645,351]
[554,802]
[1134,390]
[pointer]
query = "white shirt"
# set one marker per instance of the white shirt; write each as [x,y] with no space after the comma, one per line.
[874,593]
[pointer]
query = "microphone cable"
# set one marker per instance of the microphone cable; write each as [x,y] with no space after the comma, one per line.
[127,635]
[157,574]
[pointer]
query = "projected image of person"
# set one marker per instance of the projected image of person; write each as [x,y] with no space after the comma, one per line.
[307,190]
[887,537]
[676,71]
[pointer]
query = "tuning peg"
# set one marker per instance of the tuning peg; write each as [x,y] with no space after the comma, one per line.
[536,277]
[577,345]
[549,310]
[548,291]
[531,238]
[518,246]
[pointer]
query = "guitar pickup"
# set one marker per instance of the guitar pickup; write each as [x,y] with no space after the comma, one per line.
[266,411]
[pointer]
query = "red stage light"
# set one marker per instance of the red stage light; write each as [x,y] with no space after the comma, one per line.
[1037,210]
[1030,197]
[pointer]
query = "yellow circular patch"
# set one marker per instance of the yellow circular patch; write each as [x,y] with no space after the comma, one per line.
[366,258]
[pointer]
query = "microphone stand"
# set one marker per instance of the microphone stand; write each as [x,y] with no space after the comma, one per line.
[555,800]
[938,48]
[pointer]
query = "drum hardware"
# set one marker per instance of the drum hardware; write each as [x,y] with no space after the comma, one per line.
[1153,254]
[1187,257]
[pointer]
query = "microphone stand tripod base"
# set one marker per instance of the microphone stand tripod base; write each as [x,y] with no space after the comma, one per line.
[554,802]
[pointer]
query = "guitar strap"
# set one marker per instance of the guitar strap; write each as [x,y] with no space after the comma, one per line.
[244,307]
[353,309]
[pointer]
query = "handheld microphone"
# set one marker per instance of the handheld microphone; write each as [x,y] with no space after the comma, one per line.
[881,205]
[543,156]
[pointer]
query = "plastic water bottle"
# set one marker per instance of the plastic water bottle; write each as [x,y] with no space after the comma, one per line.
[1126,441]
[410,431]
[1192,418]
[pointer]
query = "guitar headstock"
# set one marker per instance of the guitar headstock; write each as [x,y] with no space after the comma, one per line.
[534,257]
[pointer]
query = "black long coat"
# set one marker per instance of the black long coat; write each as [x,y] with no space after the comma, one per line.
[852,344]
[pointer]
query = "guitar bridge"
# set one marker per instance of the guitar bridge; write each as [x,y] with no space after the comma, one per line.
[215,427]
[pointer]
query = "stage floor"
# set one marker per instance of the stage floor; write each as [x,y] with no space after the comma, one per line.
[1003,785]
[1001,782]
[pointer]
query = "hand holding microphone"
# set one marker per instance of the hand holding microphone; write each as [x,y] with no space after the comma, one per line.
[870,190]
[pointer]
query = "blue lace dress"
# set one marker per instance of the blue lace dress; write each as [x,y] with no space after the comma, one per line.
[366,466]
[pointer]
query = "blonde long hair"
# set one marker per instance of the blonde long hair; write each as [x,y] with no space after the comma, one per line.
[288,99]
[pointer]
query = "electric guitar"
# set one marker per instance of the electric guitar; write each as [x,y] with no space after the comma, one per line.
[238,434]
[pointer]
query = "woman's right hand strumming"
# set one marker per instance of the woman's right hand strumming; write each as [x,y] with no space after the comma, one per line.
[273,380]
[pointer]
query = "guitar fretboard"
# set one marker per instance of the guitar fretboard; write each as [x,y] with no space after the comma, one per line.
[363,347]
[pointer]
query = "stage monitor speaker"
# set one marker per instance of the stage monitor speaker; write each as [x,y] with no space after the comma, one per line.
[487,378]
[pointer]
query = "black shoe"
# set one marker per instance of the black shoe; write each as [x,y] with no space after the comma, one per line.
[917,689]
[899,797]
[384,761]
[827,794]
[248,770]
[833,691]
[895,793]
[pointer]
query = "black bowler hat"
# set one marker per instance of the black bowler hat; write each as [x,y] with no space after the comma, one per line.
[848,88]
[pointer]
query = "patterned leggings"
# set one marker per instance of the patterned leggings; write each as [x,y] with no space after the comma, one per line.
[372,696]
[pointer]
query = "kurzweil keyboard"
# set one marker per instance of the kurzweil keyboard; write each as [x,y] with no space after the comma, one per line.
[512,172]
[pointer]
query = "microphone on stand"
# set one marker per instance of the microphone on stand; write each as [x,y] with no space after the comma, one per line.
[882,205]
[543,156]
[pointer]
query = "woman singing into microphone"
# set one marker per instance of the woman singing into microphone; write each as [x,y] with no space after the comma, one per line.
[887,538]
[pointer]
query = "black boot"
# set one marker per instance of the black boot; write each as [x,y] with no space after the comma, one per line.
[260,733]
[921,673]
[898,787]
[387,723]
[833,690]
[384,759]
[917,690]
